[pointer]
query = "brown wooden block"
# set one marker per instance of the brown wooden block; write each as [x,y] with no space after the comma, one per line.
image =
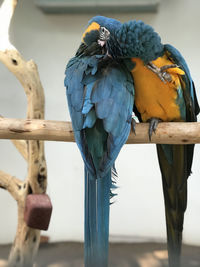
[38,211]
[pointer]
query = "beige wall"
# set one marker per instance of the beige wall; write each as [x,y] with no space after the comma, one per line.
[138,212]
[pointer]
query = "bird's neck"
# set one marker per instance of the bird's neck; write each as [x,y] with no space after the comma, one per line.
[138,64]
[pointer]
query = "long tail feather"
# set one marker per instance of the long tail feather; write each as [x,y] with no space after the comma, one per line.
[97,201]
[173,164]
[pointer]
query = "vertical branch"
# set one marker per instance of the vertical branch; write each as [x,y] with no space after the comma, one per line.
[6,12]
[26,242]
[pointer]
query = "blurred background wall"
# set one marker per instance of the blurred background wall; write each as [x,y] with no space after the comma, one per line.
[138,212]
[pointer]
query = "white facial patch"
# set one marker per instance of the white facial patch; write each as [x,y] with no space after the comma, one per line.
[101,43]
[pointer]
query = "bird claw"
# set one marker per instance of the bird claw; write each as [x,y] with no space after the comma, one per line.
[153,123]
[161,72]
[133,124]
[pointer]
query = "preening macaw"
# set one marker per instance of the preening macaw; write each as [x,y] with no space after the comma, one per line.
[164,91]
[100,96]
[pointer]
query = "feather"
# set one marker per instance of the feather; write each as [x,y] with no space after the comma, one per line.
[137,39]
[189,92]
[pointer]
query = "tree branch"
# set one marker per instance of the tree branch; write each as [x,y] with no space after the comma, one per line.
[26,242]
[6,12]
[166,133]
[21,146]
[11,183]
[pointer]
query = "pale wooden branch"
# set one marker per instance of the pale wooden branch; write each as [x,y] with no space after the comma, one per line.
[11,183]
[166,133]
[6,12]
[26,242]
[21,146]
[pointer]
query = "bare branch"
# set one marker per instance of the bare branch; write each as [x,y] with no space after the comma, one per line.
[11,183]
[21,146]
[6,13]
[26,242]
[167,132]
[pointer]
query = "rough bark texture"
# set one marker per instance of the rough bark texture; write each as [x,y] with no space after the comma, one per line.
[26,242]
[166,133]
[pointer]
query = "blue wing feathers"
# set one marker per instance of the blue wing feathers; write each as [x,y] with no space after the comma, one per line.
[115,145]
[94,93]
[87,99]
[189,94]
[103,108]
[90,119]
[179,60]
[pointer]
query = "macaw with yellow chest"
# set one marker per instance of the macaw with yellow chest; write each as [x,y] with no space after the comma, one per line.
[164,91]
[100,96]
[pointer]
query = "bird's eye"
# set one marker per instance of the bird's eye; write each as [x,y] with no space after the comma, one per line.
[104,33]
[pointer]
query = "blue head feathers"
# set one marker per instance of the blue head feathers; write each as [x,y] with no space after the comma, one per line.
[131,39]
[137,39]
[112,25]
[93,35]
[109,23]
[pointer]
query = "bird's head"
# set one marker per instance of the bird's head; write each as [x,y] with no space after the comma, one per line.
[98,37]
[137,39]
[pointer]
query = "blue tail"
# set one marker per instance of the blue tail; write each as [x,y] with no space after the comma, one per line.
[97,201]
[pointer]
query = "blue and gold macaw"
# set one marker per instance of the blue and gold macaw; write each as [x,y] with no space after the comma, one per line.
[164,91]
[100,96]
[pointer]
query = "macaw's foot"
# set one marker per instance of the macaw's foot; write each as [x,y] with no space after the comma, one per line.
[161,72]
[153,123]
[133,124]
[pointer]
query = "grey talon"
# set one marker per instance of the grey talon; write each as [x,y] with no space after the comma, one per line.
[161,72]
[133,124]
[153,124]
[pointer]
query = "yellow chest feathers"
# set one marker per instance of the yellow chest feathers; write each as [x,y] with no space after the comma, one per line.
[153,97]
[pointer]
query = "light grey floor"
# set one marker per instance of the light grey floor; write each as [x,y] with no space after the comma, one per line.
[121,255]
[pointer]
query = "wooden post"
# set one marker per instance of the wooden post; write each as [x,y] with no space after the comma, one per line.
[27,239]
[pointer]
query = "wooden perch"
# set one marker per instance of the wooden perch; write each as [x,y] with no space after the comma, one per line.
[167,132]
[21,146]
[27,239]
